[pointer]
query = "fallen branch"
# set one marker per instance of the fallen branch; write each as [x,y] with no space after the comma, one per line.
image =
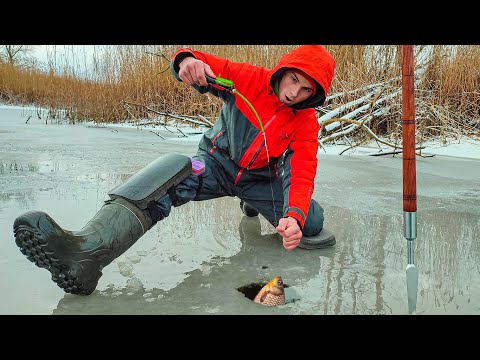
[338,110]
[351,147]
[156,133]
[181,132]
[399,152]
[367,87]
[206,120]
[182,118]
[366,128]
[355,124]
[329,125]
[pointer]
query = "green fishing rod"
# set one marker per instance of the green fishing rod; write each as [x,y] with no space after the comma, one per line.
[226,84]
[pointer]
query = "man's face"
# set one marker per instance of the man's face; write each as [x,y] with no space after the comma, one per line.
[294,88]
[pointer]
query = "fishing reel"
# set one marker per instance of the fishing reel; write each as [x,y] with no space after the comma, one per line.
[225,84]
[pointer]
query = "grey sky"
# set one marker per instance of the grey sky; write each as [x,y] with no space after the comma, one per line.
[44,53]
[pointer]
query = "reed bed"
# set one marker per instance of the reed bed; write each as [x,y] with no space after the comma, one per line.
[134,83]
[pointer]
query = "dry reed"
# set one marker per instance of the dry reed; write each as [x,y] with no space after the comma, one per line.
[125,80]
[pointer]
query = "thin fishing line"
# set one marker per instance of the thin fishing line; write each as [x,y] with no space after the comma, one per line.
[235,91]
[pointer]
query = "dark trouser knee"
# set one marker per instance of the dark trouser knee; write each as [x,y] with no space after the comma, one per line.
[314,223]
[184,192]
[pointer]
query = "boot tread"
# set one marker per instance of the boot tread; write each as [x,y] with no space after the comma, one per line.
[35,246]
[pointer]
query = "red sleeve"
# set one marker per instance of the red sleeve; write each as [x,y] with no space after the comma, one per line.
[303,168]
[220,66]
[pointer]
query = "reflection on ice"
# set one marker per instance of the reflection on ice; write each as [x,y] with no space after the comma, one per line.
[194,261]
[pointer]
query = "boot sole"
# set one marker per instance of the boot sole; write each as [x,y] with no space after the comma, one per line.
[33,243]
[321,241]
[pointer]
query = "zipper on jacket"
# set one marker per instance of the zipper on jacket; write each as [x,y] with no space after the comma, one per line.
[255,155]
[260,139]
[213,142]
[237,178]
[217,136]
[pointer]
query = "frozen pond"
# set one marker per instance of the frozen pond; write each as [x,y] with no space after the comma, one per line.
[194,261]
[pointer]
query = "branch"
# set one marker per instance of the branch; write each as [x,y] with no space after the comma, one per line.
[400,151]
[362,125]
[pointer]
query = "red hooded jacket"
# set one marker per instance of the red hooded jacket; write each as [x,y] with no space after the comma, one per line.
[291,132]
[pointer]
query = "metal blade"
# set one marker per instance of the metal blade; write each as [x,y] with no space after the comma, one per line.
[410,222]
[412,287]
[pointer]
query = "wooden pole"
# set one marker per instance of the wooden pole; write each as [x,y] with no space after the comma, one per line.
[409,171]
[408,131]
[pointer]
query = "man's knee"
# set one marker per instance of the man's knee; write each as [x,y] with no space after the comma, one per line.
[314,223]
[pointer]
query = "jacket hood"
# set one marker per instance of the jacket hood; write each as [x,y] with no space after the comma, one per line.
[313,60]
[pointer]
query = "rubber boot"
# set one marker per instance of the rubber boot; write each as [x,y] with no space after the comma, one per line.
[247,209]
[76,258]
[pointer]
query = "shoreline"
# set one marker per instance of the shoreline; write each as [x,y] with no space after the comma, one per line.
[461,147]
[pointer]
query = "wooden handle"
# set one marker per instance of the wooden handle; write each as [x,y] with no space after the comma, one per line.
[408,131]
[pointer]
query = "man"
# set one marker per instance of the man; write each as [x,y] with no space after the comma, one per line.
[261,149]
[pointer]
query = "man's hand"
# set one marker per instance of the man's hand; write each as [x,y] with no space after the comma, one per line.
[290,231]
[193,71]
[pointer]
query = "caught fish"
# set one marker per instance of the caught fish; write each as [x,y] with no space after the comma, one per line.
[272,294]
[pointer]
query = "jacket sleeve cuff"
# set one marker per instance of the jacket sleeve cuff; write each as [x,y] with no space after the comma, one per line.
[296,216]
[177,59]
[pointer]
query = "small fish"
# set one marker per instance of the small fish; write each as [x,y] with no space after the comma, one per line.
[272,294]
